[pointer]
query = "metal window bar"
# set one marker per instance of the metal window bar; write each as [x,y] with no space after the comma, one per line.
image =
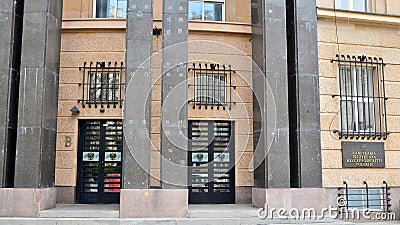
[383,198]
[362,97]
[211,87]
[102,84]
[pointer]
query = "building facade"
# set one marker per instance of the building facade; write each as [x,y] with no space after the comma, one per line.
[202,102]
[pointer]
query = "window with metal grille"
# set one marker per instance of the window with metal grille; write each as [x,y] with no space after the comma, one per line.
[362,97]
[365,198]
[212,85]
[353,5]
[211,10]
[101,84]
[109,8]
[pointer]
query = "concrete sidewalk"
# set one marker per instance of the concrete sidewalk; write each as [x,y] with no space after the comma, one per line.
[197,215]
[185,221]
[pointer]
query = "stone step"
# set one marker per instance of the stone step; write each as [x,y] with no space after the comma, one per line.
[81,211]
[222,211]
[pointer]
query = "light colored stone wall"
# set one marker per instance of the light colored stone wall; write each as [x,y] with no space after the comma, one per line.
[357,37]
[78,47]
[234,50]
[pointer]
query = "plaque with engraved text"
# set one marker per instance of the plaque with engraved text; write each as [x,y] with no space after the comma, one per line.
[363,155]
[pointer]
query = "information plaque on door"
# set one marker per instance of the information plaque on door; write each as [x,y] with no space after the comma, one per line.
[363,155]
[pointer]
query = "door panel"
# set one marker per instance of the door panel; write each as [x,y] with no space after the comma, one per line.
[99,161]
[211,161]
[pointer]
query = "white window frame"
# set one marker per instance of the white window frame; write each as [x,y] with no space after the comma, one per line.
[202,9]
[115,13]
[357,100]
[351,5]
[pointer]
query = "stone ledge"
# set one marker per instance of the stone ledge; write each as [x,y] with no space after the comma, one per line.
[154,203]
[26,202]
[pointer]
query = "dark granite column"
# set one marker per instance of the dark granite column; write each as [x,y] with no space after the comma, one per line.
[11,16]
[174,95]
[305,135]
[137,114]
[136,195]
[38,94]
[270,87]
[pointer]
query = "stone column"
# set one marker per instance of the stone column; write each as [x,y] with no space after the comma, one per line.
[305,135]
[270,86]
[37,110]
[11,16]
[285,39]
[174,118]
[137,113]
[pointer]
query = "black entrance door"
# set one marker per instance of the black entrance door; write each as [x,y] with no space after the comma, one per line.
[211,162]
[99,161]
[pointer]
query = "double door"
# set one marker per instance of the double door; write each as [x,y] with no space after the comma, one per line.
[211,162]
[99,161]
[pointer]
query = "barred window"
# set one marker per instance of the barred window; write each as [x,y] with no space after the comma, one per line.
[361,199]
[212,85]
[101,84]
[210,88]
[362,97]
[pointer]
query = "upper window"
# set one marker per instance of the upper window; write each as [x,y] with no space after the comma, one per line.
[362,97]
[353,5]
[110,8]
[210,10]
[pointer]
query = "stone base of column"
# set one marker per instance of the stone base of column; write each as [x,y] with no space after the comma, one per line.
[154,203]
[298,198]
[26,202]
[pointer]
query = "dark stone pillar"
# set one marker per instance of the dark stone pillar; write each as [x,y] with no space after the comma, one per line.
[137,114]
[270,86]
[305,135]
[174,95]
[11,16]
[38,94]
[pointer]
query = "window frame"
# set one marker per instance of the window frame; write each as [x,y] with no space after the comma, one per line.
[351,5]
[360,192]
[116,10]
[206,88]
[356,99]
[202,9]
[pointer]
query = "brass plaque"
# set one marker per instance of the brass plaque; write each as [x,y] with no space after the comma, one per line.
[363,155]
